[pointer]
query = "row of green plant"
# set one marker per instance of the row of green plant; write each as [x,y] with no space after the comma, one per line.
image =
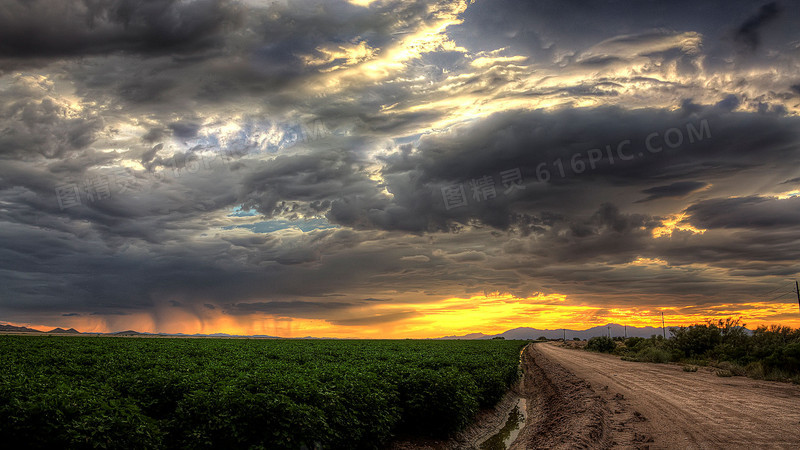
[771,353]
[100,392]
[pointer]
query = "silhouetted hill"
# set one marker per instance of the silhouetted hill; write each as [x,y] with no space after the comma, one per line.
[63,331]
[19,329]
[127,333]
[212,335]
[526,333]
[467,336]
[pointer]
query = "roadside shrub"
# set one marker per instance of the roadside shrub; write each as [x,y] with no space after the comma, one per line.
[733,368]
[778,375]
[786,358]
[766,341]
[755,370]
[695,340]
[690,368]
[603,344]
[693,361]
[633,342]
[769,353]
[721,340]
[654,355]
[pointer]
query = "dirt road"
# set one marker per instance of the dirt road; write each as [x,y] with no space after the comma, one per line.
[592,400]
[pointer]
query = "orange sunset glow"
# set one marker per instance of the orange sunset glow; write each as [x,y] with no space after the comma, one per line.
[488,314]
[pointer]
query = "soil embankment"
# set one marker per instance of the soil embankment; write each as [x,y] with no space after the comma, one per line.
[565,411]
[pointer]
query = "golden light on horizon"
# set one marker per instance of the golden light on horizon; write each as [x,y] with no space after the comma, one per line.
[489,314]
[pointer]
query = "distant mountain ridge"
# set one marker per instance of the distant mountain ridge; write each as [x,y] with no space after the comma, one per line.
[4,327]
[14,328]
[527,333]
[63,331]
[59,330]
[469,336]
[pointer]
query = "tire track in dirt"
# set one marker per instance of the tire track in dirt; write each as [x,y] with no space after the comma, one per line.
[681,409]
[565,411]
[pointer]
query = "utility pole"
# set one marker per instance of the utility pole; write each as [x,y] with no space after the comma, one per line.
[663,328]
[609,331]
[797,291]
[626,332]
[565,335]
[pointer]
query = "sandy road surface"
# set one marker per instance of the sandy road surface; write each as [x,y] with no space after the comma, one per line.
[661,406]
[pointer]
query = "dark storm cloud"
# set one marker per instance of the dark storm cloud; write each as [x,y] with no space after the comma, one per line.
[577,220]
[677,189]
[535,28]
[531,141]
[749,250]
[376,319]
[184,130]
[52,28]
[607,235]
[310,177]
[746,212]
[608,217]
[148,155]
[749,33]
[104,280]
[262,51]
[39,126]
[792,181]
[303,309]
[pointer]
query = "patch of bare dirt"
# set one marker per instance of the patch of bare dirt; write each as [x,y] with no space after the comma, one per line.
[658,405]
[565,411]
[570,344]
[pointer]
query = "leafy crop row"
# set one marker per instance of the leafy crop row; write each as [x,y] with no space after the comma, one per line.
[96,392]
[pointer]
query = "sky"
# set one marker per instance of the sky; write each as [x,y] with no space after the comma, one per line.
[387,169]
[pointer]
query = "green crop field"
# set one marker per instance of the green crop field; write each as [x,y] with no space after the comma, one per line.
[102,392]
